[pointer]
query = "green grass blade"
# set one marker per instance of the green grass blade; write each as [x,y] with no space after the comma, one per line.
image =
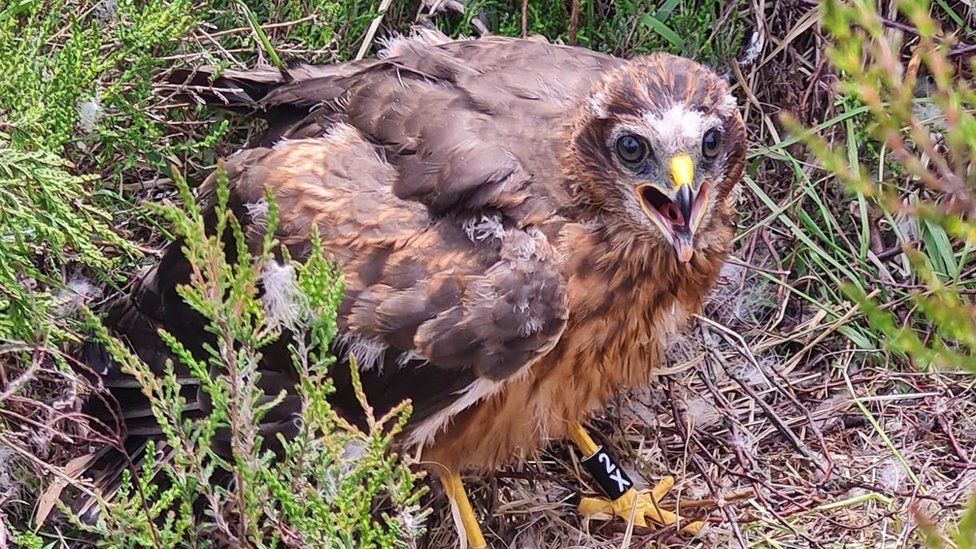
[666,9]
[862,204]
[255,25]
[665,31]
[939,249]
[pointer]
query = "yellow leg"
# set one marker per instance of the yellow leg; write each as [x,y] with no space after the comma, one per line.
[465,514]
[582,440]
[631,504]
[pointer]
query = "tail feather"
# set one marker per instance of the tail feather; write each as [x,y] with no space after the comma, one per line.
[251,90]
[121,404]
[229,89]
[131,318]
[282,97]
[105,473]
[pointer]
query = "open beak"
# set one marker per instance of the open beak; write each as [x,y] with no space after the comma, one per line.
[677,213]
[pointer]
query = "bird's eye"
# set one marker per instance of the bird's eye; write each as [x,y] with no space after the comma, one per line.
[711,143]
[632,149]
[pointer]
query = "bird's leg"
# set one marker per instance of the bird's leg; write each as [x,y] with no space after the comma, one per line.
[623,499]
[462,511]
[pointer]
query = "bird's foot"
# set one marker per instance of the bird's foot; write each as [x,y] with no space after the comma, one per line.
[639,506]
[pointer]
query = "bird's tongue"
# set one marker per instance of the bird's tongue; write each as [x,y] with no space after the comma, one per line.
[681,232]
[683,245]
[670,211]
[667,210]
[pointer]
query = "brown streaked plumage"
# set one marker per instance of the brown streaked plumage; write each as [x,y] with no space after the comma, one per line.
[506,268]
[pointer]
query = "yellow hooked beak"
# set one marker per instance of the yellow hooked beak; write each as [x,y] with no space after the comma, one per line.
[682,177]
[677,213]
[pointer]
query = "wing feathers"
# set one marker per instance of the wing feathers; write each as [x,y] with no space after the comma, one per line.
[433,291]
[426,174]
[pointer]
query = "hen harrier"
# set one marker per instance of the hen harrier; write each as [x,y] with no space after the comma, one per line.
[521,227]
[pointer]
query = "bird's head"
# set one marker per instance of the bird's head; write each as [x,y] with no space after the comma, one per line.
[658,146]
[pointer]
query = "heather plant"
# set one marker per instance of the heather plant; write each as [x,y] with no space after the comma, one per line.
[329,484]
